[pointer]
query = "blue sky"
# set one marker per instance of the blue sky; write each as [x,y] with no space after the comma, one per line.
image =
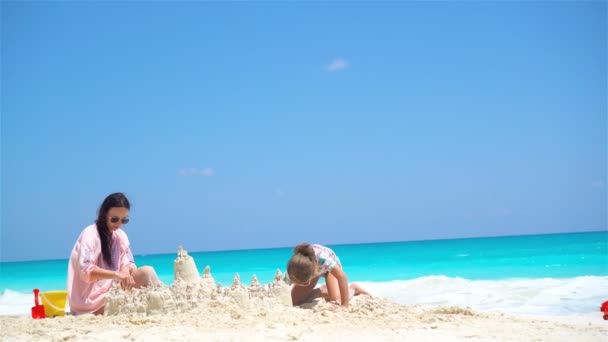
[251,125]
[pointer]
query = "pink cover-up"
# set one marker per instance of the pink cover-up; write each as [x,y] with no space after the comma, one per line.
[87,295]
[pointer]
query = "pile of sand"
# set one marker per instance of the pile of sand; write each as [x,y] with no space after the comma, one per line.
[193,292]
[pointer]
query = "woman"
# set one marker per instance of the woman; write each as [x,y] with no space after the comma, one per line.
[101,257]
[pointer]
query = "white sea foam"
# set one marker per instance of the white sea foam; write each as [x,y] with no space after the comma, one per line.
[545,296]
[15,303]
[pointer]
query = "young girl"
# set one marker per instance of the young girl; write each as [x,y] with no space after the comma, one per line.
[307,265]
[101,257]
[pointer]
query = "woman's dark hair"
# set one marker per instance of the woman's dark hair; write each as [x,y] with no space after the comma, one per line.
[115,200]
[302,266]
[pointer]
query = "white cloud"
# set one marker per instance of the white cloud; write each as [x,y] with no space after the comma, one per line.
[337,64]
[193,171]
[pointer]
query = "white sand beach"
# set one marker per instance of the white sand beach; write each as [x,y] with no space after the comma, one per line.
[368,319]
[195,308]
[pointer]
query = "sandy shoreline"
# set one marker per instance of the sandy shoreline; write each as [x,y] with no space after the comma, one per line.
[196,308]
[368,319]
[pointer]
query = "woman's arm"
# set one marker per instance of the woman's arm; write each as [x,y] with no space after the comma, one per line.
[98,273]
[123,276]
[127,262]
[88,252]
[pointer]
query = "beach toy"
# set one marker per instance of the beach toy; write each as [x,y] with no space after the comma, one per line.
[54,303]
[37,309]
[604,309]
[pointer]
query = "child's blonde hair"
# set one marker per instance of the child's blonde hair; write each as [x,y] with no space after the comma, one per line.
[302,266]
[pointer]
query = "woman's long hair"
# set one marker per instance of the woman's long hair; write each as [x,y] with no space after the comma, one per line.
[115,200]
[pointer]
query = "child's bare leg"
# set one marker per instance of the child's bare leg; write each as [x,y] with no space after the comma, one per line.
[354,289]
[333,287]
[358,289]
[323,291]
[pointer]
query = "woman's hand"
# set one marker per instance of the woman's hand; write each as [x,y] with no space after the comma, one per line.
[125,279]
[128,283]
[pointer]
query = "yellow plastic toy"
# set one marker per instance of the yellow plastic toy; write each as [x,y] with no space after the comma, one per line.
[54,303]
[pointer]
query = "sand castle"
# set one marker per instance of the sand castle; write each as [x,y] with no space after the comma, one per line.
[184,268]
[190,291]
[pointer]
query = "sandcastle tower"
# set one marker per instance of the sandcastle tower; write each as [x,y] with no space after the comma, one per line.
[238,292]
[207,273]
[207,278]
[255,289]
[254,282]
[278,275]
[236,283]
[280,290]
[184,267]
[207,283]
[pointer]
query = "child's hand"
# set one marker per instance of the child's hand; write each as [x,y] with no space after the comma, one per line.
[334,305]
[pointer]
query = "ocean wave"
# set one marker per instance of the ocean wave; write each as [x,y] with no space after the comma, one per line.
[542,296]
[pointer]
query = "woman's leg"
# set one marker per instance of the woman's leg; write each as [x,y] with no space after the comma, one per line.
[99,311]
[304,294]
[145,276]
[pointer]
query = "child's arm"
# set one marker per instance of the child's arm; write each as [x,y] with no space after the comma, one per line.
[342,284]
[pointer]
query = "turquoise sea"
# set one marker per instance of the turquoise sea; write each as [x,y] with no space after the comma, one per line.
[552,274]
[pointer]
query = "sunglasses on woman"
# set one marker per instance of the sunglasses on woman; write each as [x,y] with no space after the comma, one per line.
[115,219]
